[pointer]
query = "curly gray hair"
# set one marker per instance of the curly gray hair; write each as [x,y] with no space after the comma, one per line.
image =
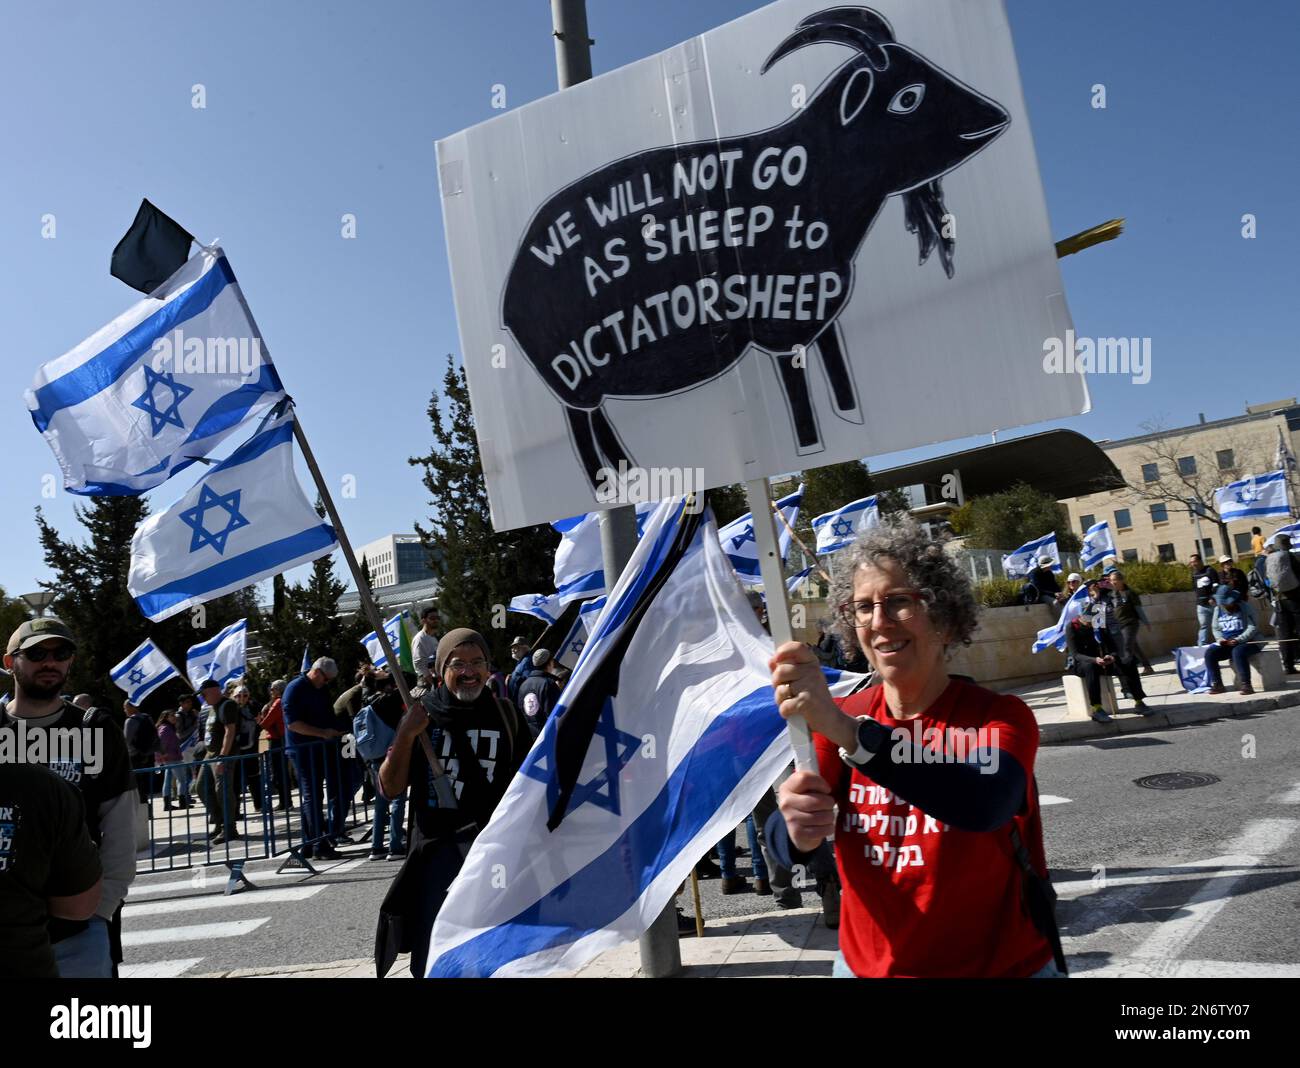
[953,610]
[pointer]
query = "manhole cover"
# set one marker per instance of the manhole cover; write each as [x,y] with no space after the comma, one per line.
[1176,780]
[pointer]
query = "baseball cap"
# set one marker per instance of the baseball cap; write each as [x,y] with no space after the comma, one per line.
[38,630]
[518,640]
[1227,595]
[1074,576]
[1225,559]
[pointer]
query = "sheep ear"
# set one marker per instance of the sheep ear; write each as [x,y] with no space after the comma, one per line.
[856,92]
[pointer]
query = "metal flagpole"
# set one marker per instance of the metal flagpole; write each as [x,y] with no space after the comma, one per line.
[799,542]
[442,785]
[778,605]
[661,954]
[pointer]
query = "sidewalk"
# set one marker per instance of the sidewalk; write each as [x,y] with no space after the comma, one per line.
[1174,706]
[796,944]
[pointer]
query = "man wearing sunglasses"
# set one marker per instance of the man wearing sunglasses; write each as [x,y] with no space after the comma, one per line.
[40,655]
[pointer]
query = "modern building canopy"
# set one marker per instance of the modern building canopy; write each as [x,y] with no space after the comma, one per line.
[1062,463]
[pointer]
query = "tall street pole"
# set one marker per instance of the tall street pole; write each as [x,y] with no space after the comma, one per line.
[661,954]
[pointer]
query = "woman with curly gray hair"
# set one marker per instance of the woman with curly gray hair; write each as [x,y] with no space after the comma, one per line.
[938,884]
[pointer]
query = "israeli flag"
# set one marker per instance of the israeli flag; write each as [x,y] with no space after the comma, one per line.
[568,651]
[1292,530]
[1097,544]
[741,546]
[579,565]
[1025,559]
[1192,670]
[143,671]
[221,658]
[546,607]
[665,737]
[245,520]
[1055,634]
[306,659]
[1257,495]
[157,388]
[795,582]
[839,529]
[393,628]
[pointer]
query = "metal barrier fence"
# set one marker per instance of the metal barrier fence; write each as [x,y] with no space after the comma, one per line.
[290,802]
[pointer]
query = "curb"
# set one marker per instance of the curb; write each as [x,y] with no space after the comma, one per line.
[1176,716]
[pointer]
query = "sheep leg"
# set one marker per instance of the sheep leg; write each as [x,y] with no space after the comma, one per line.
[830,346]
[584,442]
[607,440]
[794,383]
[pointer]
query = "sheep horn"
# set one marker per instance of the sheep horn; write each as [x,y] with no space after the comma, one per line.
[858,27]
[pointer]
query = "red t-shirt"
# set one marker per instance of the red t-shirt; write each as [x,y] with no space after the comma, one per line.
[921,898]
[272,720]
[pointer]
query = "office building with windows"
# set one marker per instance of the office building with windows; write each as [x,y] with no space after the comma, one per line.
[1186,461]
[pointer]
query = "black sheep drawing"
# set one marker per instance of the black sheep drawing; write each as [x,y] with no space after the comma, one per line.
[600,309]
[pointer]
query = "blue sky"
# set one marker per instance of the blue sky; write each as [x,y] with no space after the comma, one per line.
[318,109]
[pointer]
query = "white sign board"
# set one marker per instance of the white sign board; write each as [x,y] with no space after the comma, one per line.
[811,235]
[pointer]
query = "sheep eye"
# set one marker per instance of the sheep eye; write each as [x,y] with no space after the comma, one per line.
[907,99]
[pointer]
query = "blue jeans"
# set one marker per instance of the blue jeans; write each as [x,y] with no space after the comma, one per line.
[841,970]
[1204,613]
[308,761]
[727,852]
[386,813]
[1240,655]
[179,774]
[85,955]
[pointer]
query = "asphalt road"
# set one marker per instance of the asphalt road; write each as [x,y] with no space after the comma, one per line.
[1198,881]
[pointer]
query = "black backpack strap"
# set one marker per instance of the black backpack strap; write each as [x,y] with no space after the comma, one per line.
[1038,893]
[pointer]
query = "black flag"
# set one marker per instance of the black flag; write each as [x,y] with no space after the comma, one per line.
[151,251]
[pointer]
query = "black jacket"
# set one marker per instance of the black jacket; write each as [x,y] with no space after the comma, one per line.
[538,695]
[481,745]
[1083,645]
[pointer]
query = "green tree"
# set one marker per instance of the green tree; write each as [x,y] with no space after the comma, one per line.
[1008,519]
[828,488]
[478,569]
[13,613]
[728,503]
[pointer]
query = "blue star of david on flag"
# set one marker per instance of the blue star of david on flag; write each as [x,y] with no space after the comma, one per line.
[194,518]
[160,417]
[576,646]
[842,528]
[602,789]
[1248,494]
[745,535]
[136,677]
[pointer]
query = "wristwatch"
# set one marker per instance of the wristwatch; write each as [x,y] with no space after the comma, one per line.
[872,736]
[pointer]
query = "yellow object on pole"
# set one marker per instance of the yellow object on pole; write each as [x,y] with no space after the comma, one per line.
[1107,231]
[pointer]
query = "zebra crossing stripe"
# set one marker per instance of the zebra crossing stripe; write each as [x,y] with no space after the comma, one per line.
[214,878]
[256,898]
[198,933]
[159,969]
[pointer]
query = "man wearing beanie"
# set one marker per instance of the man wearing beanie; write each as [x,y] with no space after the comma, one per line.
[480,741]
